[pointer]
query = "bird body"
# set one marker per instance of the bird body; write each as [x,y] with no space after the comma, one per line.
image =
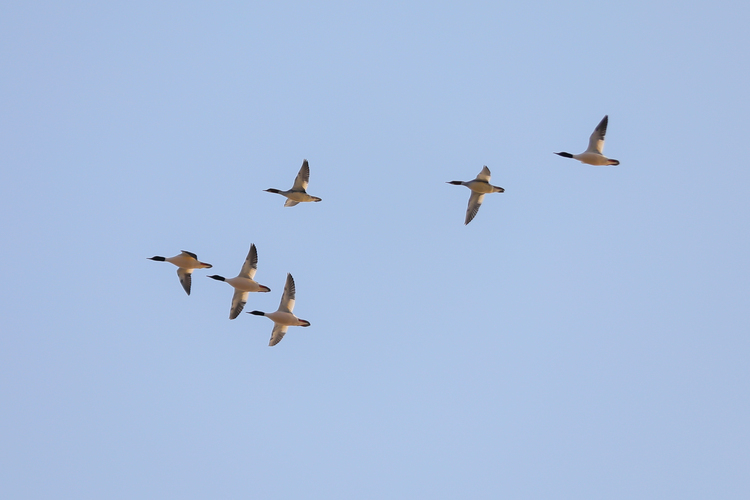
[186,262]
[479,187]
[283,317]
[297,194]
[594,154]
[294,197]
[243,283]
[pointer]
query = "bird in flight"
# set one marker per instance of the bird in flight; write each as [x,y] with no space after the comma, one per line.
[283,317]
[185,262]
[479,187]
[297,194]
[594,154]
[243,283]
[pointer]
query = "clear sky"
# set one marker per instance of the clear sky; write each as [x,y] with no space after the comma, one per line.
[586,336]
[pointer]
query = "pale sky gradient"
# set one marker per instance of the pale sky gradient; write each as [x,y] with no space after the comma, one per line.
[587,336]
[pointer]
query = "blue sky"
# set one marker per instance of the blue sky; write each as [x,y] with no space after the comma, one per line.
[586,336]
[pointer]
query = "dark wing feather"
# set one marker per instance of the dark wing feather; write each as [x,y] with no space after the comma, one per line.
[185,276]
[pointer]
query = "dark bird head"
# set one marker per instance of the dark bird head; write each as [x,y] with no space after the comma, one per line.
[455,183]
[565,155]
[304,322]
[157,258]
[257,313]
[217,277]
[272,190]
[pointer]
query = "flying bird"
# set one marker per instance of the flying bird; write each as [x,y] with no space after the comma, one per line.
[185,262]
[593,155]
[243,283]
[283,317]
[297,194]
[479,187]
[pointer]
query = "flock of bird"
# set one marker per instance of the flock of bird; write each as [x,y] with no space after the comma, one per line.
[592,156]
[283,317]
[244,282]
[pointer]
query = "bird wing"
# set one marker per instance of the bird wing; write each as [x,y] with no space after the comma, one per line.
[189,254]
[475,201]
[277,334]
[303,177]
[239,299]
[288,298]
[596,141]
[251,263]
[185,276]
[290,203]
[484,175]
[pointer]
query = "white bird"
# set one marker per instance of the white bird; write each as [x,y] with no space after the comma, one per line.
[243,283]
[185,262]
[297,194]
[283,317]
[479,187]
[594,154]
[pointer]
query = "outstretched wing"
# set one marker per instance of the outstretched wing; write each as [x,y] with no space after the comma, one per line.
[596,141]
[484,175]
[303,177]
[290,203]
[475,201]
[251,263]
[277,334]
[288,298]
[239,299]
[185,276]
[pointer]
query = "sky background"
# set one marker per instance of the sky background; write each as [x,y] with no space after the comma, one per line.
[586,336]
